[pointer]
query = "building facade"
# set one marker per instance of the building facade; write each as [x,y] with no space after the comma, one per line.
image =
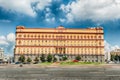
[115,52]
[1,54]
[88,42]
[115,55]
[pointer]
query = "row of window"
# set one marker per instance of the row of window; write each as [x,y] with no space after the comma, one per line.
[54,41]
[59,41]
[61,37]
[51,49]
[61,45]
[69,44]
[58,51]
[62,51]
[47,42]
[70,52]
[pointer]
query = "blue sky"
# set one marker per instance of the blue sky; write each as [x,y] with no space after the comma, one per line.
[52,13]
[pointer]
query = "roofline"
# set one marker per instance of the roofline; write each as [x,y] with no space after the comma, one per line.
[97,28]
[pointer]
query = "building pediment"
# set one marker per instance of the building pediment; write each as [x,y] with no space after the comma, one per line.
[20,27]
[60,27]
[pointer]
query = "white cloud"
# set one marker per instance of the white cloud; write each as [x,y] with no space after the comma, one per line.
[49,20]
[48,9]
[92,9]
[109,47]
[24,6]
[8,42]
[62,20]
[2,38]
[49,17]
[3,41]
[6,21]
[57,0]
[11,37]
[70,17]
[42,4]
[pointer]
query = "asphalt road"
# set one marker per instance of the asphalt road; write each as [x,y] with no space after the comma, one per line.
[61,73]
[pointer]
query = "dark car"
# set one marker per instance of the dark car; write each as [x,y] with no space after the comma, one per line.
[17,62]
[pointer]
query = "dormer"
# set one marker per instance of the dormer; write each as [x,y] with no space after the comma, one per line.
[20,27]
[60,27]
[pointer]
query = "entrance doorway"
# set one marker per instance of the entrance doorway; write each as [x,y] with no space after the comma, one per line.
[60,50]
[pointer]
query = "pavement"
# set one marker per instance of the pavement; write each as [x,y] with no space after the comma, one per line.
[56,72]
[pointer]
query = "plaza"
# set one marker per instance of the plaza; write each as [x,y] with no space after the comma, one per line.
[36,72]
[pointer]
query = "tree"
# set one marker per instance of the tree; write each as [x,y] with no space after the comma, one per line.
[54,59]
[116,57]
[29,60]
[64,58]
[49,58]
[42,58]
[21,58]
[78,58]
[36,60]
[119,57]
[112,57]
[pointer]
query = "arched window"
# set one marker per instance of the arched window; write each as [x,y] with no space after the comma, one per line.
[28,36]
[84,36]
[95,37]
[42,36]
[99,43]
[68,37]
[38,36]
[88,37]
[99,37]
[91,37]
[81,37]
[24,35]
[74,36]
[19,35]
[19,42]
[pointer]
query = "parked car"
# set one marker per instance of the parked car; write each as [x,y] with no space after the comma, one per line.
[17,62]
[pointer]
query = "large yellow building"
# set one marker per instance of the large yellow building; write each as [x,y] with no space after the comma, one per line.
[88,42]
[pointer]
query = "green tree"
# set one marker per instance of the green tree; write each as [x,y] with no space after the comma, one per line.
[36,60]
[49,58]
[112,57]
[116,57]
[119,57]
[78,57]
[42,58]
[29,60]
[21,58]
[54,59]
[64,58]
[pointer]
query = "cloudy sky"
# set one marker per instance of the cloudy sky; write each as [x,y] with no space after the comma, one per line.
[52,13]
